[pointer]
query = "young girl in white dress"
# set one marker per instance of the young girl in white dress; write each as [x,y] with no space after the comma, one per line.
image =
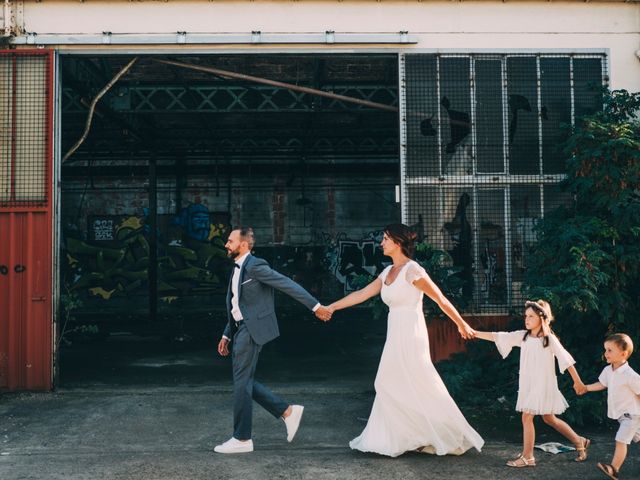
[538,392]
[412,409]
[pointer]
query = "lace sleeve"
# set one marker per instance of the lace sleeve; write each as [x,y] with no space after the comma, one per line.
[415,272]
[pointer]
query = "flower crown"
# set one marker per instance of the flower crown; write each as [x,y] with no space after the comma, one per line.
[539,310]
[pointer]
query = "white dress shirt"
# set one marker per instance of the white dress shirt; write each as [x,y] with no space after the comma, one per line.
[623,385]
[235,282]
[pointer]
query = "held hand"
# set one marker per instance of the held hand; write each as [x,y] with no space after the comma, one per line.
[466,331]
[324,313]
[223,347]
[580,388]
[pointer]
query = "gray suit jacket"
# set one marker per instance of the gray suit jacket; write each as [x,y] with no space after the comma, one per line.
[256,292]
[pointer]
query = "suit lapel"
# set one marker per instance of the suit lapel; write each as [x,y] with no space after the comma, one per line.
[229,291]
[242,270]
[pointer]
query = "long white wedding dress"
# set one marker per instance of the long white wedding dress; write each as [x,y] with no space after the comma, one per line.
[412,408]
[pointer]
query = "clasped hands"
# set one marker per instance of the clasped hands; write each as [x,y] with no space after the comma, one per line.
[324,313]
[466,331]
[580,388]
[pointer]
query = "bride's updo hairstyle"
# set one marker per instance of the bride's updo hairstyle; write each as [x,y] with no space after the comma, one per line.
[403,236]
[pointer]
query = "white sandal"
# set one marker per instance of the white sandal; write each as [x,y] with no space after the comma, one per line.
[582,450]
[521,462]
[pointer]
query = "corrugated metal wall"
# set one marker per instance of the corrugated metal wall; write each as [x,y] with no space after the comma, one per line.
[26,321]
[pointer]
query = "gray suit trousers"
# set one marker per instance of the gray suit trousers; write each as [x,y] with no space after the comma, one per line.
[246,389]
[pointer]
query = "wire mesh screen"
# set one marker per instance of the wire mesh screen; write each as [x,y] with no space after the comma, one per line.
[480,157]
[24,128]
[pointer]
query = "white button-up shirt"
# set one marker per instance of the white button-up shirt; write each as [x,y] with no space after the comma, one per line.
[623,385]
[235,282]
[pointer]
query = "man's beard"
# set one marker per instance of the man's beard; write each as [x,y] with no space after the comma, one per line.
[233,254]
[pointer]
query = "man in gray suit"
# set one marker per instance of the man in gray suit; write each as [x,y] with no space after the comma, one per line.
[251,323]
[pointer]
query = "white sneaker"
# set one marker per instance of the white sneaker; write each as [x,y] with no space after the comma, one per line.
[293,421]
[234,445]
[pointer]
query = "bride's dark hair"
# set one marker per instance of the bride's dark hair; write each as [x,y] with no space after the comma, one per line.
[403,236]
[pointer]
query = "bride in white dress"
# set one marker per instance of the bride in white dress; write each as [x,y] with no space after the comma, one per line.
[412,409]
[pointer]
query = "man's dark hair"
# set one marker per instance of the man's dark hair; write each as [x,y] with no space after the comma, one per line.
[246,235]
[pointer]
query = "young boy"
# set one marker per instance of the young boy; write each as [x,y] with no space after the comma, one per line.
[623,397]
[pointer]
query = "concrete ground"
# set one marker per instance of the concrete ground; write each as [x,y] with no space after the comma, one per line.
[135,408]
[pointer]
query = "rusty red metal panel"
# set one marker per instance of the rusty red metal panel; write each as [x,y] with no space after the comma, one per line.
[25,301]
[26,250]
[445,340]
[37,318]
[8,291]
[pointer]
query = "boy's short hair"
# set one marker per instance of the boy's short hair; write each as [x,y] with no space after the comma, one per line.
[622,341]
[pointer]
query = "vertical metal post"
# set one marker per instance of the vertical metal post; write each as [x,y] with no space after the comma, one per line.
[539,93]
[439,123]
[440,188]
[505,115]
[14,126]
[476,190]
[180,175]
[540,142]
[153,240]
[573,94]
[402,113]
[508,239]
[473,107]
[507,242]
[56,200]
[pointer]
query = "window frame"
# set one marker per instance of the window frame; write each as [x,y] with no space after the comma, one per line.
[478,181]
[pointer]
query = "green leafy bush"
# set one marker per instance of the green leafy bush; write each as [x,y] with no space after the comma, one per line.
[586,262]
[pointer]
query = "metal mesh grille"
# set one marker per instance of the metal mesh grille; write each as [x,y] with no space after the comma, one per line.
[480,157]
[25,101]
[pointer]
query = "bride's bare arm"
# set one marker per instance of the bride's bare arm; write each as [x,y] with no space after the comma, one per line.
[358,296]
[434,293]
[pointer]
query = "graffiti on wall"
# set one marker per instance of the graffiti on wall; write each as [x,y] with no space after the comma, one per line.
[348,259]
[112,260]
